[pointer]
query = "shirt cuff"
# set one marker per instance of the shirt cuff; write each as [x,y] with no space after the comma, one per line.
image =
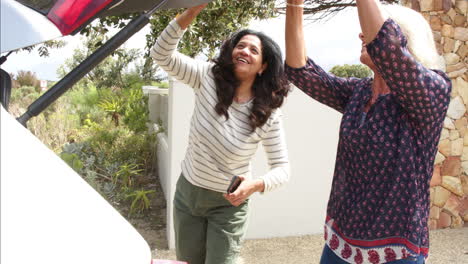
[176,27]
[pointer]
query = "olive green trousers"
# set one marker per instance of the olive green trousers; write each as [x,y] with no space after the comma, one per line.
[208,229]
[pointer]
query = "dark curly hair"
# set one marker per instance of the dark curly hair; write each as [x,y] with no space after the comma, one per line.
[269,89]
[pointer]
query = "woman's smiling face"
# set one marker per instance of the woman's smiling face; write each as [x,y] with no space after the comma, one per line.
[247,57]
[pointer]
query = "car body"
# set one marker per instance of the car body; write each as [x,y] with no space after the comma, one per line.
[49,214]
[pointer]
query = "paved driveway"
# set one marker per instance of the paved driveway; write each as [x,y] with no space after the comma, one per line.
[448,246]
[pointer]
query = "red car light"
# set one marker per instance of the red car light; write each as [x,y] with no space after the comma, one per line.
[69,15]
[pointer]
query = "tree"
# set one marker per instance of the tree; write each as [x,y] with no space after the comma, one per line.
[219,19]
[110,72]
[27,78]
[355,70]
[43,48]
[320,9]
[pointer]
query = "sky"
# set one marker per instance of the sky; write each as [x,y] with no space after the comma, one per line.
[329,43]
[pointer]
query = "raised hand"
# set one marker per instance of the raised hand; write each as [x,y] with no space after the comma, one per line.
[189,15]
[371,18]
[295,47]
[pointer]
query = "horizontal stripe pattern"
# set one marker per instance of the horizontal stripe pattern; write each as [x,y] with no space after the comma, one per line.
[218,148]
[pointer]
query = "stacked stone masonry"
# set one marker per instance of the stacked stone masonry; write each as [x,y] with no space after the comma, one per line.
[449,184]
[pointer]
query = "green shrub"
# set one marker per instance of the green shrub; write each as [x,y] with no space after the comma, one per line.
[72,160]
[84,100]
[114,106]
[136,113]
[115,159]
[161,84]
[28,78]
[24,96]
[126,174]
[140,200]
[55,126]
[355,70]
[101,133]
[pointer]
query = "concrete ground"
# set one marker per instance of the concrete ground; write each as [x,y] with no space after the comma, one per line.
[448,246]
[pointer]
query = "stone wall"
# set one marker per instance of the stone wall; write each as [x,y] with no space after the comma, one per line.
[449,184]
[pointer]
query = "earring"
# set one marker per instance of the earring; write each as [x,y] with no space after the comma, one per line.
[259,74]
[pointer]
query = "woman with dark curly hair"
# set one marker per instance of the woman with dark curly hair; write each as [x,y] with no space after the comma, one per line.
[237,100]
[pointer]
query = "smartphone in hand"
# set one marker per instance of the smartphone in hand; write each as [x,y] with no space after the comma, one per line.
[235,182]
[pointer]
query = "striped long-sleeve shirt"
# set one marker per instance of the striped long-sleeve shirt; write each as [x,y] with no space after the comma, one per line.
[220,148]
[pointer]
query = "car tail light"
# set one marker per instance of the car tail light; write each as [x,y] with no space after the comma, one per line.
[69,15]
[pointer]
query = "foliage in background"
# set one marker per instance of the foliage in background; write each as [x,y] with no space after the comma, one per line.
[54,126]
[114,157]
[212,26]
[140,201]
[219,19]
[99,126]
[322,9]
[24,95]
[135,111]
[27,78]
[111,71]
[355,70]
[43,49]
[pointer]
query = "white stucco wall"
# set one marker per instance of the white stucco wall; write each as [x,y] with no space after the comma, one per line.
[299,207]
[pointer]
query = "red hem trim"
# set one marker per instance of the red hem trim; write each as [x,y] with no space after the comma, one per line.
[380,242]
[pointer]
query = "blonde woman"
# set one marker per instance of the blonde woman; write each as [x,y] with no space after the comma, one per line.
[379,201]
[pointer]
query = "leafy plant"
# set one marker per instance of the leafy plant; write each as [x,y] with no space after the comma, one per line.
[24,96]
[56,126]
[110,72]
[113,106]
[140,200]
[322,9]
[355,70]
[126,173]
[27,78]
[136,109]
[99,129]
[72,160]
[161,84]
[84,101]
[43,48]
[219,19]
[92,178]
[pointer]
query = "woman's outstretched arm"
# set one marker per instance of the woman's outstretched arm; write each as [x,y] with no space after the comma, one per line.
[371,18]
[295,46]
[304,73]
[164,51]
[189,15]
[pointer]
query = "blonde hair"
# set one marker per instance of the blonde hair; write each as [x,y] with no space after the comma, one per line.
[417,31]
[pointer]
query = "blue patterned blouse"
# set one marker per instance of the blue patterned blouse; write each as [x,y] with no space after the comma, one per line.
[379,202]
